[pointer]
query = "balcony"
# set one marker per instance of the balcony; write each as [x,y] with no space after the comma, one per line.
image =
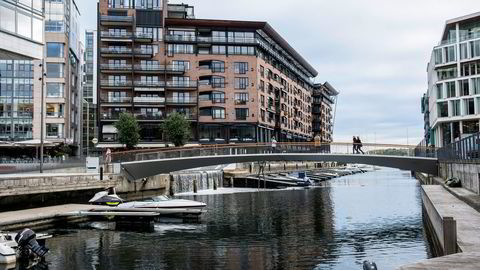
[109,117]
[182,100]
[116,68]
[116,20]
[108,36]
[181,38]
[149,117]
[115,84]
[182,84]
[55,114]
[149,84]
[116,52]
[154,100]
[143,52]
[116,99]
[170,69]
[144,37]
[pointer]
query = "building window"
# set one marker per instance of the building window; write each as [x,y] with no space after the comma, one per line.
[464,87]
[218,82]
[55,49]
[262,71]
[476,85]
[54,26]
[470,127]
[54,70]
[241,50]
[241,83]
[450,54]
[55,89]
[469,106]
[216,49]
[262,100]
[241,98]
[181,64]
[451,91]
[261,86]
[54,130]
[463,51]
[438,56]
[241,113]
[241,67]
[218,66]
[447,73]
[475,48]
[439,91]
[24,25]
[218,113]
[456,108]
[7,19]
[442,109]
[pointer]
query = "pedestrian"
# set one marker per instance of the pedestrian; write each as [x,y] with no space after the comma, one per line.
[359,146]
[318,143]
[355,145]
[274,144]
[108,156]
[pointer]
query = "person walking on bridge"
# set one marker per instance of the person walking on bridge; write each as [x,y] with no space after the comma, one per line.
[274,144]
[359,146]
[355,145]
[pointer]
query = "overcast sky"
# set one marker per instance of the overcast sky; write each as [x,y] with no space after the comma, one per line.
[375,52]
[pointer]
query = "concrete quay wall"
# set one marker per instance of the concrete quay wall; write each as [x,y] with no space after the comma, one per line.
[468,173]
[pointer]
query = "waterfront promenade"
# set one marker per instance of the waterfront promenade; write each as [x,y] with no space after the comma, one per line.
[468,226]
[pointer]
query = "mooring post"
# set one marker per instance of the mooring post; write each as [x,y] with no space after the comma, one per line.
[194,185]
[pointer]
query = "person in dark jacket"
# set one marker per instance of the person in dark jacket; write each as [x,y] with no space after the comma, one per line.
[359,146]
[355,145]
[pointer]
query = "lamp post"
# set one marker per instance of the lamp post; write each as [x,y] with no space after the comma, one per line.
[41,116]
[88,125]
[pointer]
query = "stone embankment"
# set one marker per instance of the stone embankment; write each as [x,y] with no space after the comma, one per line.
[450,217]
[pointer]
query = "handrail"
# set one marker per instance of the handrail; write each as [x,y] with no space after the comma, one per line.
[283,147]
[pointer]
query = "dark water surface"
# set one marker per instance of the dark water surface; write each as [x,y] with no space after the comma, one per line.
[374,216]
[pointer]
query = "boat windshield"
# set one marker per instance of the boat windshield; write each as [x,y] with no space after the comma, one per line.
[161,198]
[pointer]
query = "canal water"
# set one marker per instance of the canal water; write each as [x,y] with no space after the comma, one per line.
[373,216]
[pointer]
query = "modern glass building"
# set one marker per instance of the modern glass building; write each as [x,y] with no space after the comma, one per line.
[454,83]
[89,102]
[21,48]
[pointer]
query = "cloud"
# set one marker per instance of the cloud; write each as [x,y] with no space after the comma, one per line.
[375,52]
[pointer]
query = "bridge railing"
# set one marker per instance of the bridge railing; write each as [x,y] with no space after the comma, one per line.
[466,149]
[266,148]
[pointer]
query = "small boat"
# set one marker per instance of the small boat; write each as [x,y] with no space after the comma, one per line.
[110,198]
[24,245]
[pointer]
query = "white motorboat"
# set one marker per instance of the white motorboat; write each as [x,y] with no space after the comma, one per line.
[24,244]
[164,201]
[110,198]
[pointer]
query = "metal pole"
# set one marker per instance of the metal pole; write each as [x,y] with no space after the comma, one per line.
[88,126]
[41,117]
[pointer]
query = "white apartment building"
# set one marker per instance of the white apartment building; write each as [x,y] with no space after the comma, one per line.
[454,82]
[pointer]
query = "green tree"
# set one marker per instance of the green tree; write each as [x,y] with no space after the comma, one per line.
[128,130]
[177,129]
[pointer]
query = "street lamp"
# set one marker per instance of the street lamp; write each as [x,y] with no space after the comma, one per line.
[41,115]
[88,125]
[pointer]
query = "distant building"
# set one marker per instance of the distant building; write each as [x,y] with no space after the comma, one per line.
[21,51]
[89,102]
[236,81]
[323,114]
[63,67]
[454,83]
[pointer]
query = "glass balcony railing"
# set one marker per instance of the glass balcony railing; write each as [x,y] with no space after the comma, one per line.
[148,99]
[150,83]
[182,100]
[109,18]
[187,115]
[120,67]
[121,50]
[55,114]
[141,35]
[468,36]
[182,84]
[116,99]
[181,38]
[143,51]
[119,35]
[109,83]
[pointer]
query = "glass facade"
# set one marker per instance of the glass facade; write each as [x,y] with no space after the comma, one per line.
[16,100]
[23,19]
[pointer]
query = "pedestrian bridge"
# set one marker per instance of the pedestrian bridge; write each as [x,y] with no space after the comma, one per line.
[139,164]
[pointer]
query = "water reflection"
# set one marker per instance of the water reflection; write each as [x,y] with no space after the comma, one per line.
[375,216]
